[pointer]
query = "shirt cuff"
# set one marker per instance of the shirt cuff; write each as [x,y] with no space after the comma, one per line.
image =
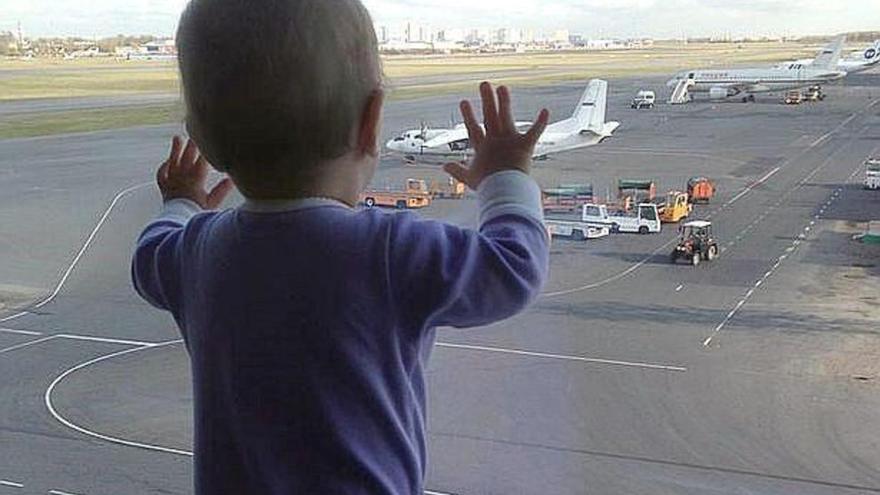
[510,192]
[180,210]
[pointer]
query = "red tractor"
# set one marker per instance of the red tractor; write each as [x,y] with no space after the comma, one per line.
[695,243]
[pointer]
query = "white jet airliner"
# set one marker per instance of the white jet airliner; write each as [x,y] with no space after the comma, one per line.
[745,83]
[586,127]
[857,62]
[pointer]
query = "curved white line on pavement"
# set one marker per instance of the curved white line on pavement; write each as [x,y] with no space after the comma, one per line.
[82,251]
[613,278]
[47,398]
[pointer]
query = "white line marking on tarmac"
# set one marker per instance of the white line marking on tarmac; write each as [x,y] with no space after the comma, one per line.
[613,278]
[81,252]
[104,340]
[11,483]
[562,357]
[20,332]
[59,492]
[679,288]
[47,399]
[789,250]
[26,344]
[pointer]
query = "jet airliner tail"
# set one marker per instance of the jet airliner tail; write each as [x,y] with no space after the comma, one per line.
[830,55]
[591,109]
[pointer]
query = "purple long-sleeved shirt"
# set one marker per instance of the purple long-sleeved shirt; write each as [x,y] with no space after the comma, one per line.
[309,326]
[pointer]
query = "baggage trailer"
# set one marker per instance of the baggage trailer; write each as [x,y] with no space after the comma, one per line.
[636,190]
[452,189]
[575,229]
[567,198]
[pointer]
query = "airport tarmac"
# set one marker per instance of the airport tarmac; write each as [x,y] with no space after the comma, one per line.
[756,373]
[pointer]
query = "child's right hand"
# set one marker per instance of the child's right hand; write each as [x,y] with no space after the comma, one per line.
[499,146]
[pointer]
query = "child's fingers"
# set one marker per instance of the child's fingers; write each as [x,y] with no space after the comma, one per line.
[162,174]
[505,110]
[538,127]
[175,149]
[190,154]
[219,192]
[490,109]
[475,132]
[200,169]
[458,172]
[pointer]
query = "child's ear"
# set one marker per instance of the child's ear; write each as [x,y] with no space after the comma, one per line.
[371,124]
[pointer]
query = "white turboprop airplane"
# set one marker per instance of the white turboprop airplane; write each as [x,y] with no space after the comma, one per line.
[857,62]
[745,83]
[586,127]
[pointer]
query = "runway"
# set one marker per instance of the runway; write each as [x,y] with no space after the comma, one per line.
[756,373]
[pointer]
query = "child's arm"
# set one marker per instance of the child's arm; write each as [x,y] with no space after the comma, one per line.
[445,275]
[155,265]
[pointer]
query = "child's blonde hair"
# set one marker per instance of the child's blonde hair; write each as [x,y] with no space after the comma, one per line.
[275,87]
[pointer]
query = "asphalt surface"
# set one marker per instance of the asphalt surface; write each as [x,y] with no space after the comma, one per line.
[757,373]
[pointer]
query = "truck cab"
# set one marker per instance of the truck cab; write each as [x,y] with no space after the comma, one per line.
[644,99]
[643,219]
[872,174]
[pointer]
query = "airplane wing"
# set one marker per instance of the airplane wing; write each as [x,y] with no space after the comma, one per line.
[460,133]
[452,136]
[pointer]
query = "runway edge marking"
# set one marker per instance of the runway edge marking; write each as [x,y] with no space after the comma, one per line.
[562,357]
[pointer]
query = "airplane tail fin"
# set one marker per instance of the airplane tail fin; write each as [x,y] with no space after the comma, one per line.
[830,55]
[590,112]
[873,54]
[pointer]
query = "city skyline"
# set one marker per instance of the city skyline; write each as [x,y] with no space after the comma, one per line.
[590,18]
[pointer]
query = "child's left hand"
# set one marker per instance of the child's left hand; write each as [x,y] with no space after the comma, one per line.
[184,174]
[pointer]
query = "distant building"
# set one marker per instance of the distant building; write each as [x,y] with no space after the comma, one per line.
[154,50]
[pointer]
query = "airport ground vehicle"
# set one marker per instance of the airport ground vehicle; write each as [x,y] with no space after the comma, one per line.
[415,196]
[700,190]
[872,173]
[676,207]
[695,243]
[644,219]
[813,93]
[793,98]
[636,190]
[567,197]
[644,99]
[452,189]
[574,229]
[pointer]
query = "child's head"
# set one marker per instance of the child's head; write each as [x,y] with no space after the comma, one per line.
[276,88]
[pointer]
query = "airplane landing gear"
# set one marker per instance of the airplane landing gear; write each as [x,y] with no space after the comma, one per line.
[748,99]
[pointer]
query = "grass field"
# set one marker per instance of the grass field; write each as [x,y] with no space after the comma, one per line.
[68,122]
[407,77]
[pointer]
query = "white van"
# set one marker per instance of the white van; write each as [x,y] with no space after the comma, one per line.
[644,99]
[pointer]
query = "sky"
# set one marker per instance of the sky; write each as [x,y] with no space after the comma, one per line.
[592,18]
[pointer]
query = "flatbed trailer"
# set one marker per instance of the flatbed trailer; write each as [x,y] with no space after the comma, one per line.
[574,229]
